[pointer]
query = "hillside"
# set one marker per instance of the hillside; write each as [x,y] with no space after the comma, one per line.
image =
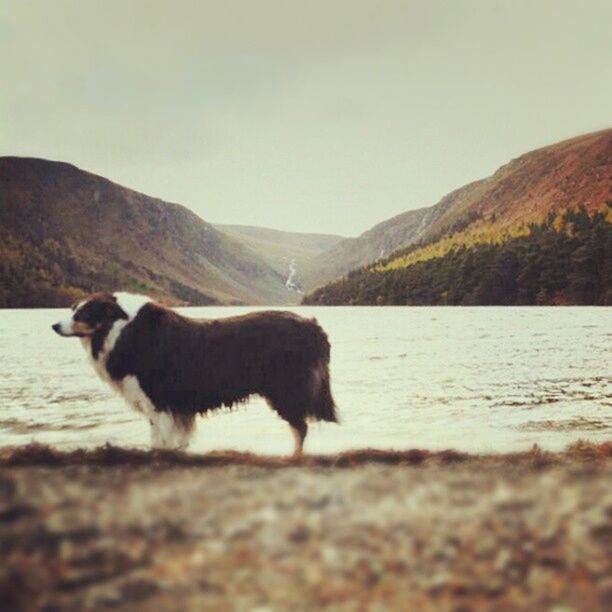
[293,255]
[380,240]
[528,190]
[565,260]
[564,175]
[65,232]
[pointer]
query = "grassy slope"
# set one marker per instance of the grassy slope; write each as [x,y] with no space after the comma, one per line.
[377,242]
[561,176]
[65,231]
[279,248]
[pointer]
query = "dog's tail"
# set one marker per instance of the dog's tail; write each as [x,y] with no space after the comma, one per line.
[322,405]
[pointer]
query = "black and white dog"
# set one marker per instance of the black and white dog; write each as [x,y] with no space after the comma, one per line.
[171,368]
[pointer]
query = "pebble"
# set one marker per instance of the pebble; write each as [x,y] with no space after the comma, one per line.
[398,537]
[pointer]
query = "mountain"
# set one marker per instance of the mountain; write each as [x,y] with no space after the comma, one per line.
[377,242]
[293,255]
[557,177]
[65,232]
[553,178]
[531,193]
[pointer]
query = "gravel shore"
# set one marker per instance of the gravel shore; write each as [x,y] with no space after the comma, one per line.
[359,531]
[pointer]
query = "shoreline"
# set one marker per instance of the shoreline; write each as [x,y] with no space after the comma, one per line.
[44,455]
[360,530]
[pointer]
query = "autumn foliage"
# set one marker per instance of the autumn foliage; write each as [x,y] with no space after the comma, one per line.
[565,259]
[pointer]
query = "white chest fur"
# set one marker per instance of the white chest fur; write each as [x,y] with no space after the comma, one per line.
[99,362]
[165,431]
[128,387]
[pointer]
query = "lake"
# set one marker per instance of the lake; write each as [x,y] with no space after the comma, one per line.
[482,379]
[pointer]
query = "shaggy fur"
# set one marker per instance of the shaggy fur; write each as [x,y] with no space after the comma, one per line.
[185,366]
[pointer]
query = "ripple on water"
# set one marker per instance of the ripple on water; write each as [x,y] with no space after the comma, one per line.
[476,379]
[566,425]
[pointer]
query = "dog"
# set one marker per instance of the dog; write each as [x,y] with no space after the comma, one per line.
[171,368]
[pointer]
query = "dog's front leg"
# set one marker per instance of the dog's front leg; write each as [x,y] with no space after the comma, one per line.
[170,432]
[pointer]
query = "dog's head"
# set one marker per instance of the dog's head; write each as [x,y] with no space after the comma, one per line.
[98,311]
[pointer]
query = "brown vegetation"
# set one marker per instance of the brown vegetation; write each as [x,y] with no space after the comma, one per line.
[65,233]
[562,176]
[355,531]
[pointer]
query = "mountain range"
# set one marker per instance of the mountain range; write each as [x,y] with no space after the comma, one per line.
[560,176]
[65,232]
[537,231]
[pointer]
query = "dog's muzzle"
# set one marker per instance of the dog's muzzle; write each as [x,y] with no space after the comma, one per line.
[60,329]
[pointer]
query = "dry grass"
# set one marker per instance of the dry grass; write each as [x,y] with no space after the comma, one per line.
[139,530]
[108,455]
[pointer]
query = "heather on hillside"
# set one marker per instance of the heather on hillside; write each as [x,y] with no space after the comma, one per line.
[565,260]
[52,274]
[554,178]
[65,232]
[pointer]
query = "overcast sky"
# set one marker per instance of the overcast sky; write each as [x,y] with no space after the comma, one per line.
[309,116]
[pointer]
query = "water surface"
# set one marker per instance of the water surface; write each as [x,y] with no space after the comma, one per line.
[475,379]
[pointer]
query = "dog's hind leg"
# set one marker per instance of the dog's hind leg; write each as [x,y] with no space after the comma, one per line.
[299,429]
[295,416]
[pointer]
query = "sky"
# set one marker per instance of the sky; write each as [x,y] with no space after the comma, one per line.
[315,116]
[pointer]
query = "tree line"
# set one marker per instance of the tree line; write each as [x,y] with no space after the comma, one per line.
[50,273]
[567,259]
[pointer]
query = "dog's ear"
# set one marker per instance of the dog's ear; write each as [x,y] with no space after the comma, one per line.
[113,311]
